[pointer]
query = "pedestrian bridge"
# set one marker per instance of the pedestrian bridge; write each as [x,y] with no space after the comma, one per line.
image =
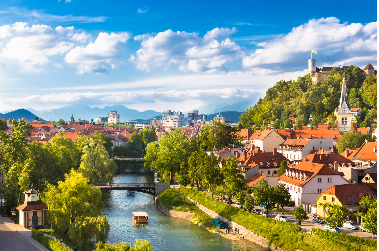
[148,188]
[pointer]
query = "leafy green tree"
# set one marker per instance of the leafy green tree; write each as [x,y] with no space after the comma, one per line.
[135,148]
[370,217]
[300,214]
[3,125]
[282,168]
[76,207]
[369,91]
[139,245]
[148,135]
[96,164]
[265,195]
[234,182]
[335,215]
[352,140]
[217,135]
[300,122]
[276,124]
[282,195]
[60,122]
[249,204]
[168,155]
[105,140]
[65,151]
[120,151]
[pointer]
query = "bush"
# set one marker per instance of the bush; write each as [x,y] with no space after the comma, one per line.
[291,203]
[341,237]
[50,244]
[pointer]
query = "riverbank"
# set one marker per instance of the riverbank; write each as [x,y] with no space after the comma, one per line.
[275,234]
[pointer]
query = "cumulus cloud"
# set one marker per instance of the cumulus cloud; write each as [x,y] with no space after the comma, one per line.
[142,10]
[32,46]
[189,51]
[334,41]
[94,57]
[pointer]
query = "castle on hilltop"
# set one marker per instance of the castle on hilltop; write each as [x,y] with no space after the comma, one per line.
[318,74]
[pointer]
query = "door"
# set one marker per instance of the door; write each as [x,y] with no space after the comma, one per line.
[34,219]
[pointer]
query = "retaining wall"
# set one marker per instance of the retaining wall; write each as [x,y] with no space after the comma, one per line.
[173,213]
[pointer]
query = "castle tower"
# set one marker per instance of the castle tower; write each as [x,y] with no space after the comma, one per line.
[312,67]
[343,112]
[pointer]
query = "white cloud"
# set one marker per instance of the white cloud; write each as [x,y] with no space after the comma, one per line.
[65,18]
[334,41]
[188,50]
[93,57]
[81,37]
[141,10]
[32,46]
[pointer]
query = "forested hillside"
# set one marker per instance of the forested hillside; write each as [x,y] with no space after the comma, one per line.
[314,103]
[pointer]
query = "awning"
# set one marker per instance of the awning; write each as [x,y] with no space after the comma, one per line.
[140,213]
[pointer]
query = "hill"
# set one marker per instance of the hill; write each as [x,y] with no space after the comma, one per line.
[228,115]
[19,114]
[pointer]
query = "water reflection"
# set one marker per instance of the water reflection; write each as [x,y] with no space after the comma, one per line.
[163,232]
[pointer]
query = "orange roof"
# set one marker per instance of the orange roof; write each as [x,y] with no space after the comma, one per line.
[368,151]
[72,135]
[263,134]
[363,130]
[248,134]
[355,109]
[42,125]
[255,179]
[258,157]
[349,153]
[296,142]
[327,158]
[309,169]
[26,207]
[350,194]
[369,67]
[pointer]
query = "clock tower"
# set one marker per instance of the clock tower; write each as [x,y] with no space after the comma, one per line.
[343,112]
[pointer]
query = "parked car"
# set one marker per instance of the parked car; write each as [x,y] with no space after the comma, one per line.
[282,218]
[349,225]
[362,228]
[257,211]
[263,213]
[317,220]
[337,230]
[219,223]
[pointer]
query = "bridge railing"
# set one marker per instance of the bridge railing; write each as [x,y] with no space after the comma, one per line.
[124,184]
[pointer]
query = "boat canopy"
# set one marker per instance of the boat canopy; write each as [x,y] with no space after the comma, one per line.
[140,214]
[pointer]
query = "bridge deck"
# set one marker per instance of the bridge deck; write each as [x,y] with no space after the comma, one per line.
[139,187]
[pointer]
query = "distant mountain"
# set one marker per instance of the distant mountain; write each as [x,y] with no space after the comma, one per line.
[238,107]
[228,115]
[19,114]
[88,113]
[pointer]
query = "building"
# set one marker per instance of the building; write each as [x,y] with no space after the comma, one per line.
[343,112]
[369,70]
[141,126]
[155,122]
[219,118]
[165,114]
[174,120]
[194,117]
[307,180]
[32,213]
[347,196]
[267,140]
[101,119]
[248,135]
[296,149]
[113,117]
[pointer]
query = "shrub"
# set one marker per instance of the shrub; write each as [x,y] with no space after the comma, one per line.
[51,244]
[338,237]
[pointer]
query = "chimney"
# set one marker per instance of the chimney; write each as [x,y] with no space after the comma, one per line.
[274,151]
[346,153]
[322,150]
[320,156]
[335,165]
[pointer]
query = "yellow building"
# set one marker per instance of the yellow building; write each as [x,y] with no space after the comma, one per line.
[32,213]
[347,196]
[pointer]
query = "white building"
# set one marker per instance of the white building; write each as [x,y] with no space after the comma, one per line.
[101,119]
[307,180]
[141,126]
[344,112]
[114,117]
[296,149]
[176,120]
[219,118]
[267,140]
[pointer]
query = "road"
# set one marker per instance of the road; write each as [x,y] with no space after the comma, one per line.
[11,240]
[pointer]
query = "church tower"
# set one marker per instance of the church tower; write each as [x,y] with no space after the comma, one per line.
[343,112]
[312,67]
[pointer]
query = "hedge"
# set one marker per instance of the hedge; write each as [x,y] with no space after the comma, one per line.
[51,244]
[344,237]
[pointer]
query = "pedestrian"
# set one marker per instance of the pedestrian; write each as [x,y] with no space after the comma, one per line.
[75,249]
[61,240]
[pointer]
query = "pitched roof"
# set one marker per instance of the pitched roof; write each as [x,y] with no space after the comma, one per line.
[350,194]
[309,169]
[248,134]
[369,67]
[355,109]
[349,153]
[327,158]
[263,134]
[25,207]
[255,179]
[327,68]
[259,157]
[296,142]
[368,151]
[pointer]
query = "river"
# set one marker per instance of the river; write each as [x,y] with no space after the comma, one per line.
[163,232]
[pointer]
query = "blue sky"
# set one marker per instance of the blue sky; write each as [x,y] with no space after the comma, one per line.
[177,55]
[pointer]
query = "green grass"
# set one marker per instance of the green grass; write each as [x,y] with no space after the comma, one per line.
[59,236]
[277,232]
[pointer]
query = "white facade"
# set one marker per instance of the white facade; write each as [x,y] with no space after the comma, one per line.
[309,192]
[343,112]
[271,140]
[293,152]
[219,118]
[141,126]
[176,121]
[114,117]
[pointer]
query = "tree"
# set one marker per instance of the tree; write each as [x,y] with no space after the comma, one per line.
[351,140]
[369,91]
[233,178]
[282,195]
[65,151]
[3,125]
[282,168]
[96,164]
[276,124]
[148,135]
[120,151]
[76,206]
[335,215]
[370,217]
[300,214]
[265,195]
[139,245]
[105,140]
[135,148]
[60,122]
[300,122]
[168,155]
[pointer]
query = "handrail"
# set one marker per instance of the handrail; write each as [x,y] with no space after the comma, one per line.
[124,184]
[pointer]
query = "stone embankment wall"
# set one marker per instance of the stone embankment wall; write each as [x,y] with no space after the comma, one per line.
[244,232]
[173,213]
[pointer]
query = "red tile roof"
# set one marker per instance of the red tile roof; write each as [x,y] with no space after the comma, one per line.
[369,67]
[368,151]
[25,207]
[259,157]
[255,179]
[350,194]
[327,158]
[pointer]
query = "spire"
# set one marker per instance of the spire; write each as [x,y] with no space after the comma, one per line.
[344,101]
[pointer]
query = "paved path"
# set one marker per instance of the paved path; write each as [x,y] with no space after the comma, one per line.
[16,238]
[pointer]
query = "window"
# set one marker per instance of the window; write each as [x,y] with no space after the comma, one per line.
[324,197]
[275,172]
[329,180]
[319,190]
[367,178]
[319,180]
[291,156]
[268,172]
[333,199]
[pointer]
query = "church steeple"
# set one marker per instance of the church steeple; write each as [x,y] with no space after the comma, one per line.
[344,100]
